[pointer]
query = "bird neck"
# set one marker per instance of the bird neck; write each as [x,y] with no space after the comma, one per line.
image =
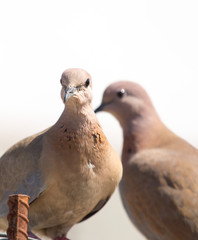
[74,133]
[77,118]
[143,132]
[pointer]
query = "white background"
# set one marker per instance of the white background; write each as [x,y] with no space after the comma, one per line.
[154,43]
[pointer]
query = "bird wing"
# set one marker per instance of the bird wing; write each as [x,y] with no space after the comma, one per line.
[160,187]
[20,171]
[97,208]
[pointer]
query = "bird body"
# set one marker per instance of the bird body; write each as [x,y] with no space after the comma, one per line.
[160,196]
[159,187]
[69,170]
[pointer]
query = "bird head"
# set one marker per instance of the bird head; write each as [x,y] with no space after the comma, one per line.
[125,100]
[76,87]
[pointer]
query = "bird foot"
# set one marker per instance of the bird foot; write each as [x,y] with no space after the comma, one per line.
[32,235]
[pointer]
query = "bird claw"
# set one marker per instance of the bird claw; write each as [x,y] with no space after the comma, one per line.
[33,236]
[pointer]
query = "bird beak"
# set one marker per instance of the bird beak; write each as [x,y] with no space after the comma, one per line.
[100,108]
[69,92]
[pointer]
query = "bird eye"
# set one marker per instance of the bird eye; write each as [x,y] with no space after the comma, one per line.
[121,93]
[87,82]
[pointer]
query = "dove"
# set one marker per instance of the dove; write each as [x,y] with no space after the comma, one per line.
[69,170]
[159,188]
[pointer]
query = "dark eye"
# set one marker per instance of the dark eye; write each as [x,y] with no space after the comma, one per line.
[87,82]
[121,93]
[61,81]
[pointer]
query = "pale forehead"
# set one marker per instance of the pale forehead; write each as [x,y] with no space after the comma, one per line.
[75,76]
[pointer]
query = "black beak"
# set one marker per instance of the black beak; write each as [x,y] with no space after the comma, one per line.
[100,108]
